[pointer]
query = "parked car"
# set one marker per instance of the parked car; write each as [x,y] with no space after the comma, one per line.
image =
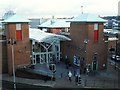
[115,58]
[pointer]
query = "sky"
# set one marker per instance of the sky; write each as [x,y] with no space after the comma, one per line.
[59,8]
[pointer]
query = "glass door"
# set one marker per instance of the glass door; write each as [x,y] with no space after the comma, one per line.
[38,58]
[50,57]
[42,58]
[34,60]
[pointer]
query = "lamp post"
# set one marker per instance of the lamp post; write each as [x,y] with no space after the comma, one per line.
[12,42]
[116,50]
[85,43]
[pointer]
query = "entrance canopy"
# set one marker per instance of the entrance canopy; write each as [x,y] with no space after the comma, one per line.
[41,36]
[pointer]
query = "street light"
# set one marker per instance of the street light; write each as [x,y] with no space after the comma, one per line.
[85,43]
[116,50]
[12,42]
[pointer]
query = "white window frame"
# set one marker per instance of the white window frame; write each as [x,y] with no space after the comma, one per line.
[18,27]
[96,26]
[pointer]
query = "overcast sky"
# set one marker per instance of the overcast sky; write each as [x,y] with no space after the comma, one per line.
[40,8]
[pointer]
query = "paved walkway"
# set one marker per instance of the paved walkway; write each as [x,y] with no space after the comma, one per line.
[35,82]
[60,69]
[102,79]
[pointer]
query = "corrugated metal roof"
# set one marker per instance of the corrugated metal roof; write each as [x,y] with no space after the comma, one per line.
[86,17]
[55,23]
[15,19]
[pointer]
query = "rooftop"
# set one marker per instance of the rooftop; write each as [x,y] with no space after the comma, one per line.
[85,17]
[15,19]
[55,23]
[41,36]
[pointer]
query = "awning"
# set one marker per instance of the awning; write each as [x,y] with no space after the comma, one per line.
[41,36]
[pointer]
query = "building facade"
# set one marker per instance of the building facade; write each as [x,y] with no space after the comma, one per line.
[87,42]
[29,46]
[57,26]
[18,43]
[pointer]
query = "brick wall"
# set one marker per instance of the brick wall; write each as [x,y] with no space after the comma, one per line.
[80,32]
[22,48]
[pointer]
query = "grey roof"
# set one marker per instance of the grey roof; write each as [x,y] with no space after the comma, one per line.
[16,18]
[35,22]
[55,23]
[85,17]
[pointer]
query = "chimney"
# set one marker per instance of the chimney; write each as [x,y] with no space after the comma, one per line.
[81,9]
[119,8]
[52,20]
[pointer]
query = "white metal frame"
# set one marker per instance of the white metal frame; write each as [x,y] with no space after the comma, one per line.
[47,53]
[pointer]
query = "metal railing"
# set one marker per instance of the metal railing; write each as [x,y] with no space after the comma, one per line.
[101,83]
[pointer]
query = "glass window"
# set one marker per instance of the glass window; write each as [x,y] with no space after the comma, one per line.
[18,26]
[96,26]
[96,32]
[56,48]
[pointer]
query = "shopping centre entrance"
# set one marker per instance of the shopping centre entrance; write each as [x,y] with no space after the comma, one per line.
[45,47]
[45,52]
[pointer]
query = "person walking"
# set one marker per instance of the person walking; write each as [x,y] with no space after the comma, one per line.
[66,59]
[76,79]
[69,76]
[87,71]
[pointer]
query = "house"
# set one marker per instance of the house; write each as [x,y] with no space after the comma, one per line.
[57,26]
[87,45]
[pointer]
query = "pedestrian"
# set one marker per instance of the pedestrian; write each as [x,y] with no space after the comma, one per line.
[67,66]
[79,80]
[69,76]
[84,70]
[66,60]
[58,62]
[87,71]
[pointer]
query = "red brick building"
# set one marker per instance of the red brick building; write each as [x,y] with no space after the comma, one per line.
[29,45]
[17,36]
[56,26]
[87,42]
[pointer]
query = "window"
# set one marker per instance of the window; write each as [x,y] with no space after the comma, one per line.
[96,32]
[95,26]
[18,26]
[18,32]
